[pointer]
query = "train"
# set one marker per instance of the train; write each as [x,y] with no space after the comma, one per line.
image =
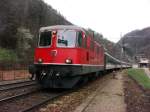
[67,55]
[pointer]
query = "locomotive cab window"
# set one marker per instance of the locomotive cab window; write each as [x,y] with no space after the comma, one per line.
[45,39]
[66,38]
[80,39]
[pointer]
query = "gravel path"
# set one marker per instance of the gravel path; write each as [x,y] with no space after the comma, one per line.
[107,99]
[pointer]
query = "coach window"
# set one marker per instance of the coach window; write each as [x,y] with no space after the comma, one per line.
[80,39]
[45,39]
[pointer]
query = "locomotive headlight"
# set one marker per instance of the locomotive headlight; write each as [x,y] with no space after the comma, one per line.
[40,60]
[68,61]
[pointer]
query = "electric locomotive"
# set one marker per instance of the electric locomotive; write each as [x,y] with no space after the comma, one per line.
[65,55]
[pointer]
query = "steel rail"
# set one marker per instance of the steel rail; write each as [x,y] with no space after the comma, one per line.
[16,87]
[52,98]
[17,96]
[19,82]
[45,101]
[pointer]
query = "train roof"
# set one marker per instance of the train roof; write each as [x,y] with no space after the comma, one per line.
[73,27]
[112,57]
[115,59]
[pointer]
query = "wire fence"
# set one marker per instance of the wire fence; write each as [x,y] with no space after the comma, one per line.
[14,70]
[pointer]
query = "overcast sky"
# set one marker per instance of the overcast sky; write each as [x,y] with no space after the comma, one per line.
[109,17]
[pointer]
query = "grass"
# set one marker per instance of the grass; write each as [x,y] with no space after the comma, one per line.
[140,76]
[7,55]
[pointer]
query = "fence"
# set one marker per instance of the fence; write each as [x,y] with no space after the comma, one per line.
[13,70]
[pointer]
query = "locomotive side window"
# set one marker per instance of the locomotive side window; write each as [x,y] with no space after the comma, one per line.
[85,42]
[66,38]
[80,39]
[45,39]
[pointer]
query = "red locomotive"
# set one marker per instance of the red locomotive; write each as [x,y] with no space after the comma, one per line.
[65,56]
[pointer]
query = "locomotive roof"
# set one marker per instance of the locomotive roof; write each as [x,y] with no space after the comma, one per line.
[73,27]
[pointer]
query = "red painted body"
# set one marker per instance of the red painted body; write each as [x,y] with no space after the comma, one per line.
[78,55]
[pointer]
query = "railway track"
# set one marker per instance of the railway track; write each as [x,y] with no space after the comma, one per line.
[11,86]
[29,101]
[12,91]
[24,96]
[26,100]
[16,96]
[37,105]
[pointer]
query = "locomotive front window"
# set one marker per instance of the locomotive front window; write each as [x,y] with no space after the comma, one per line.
[66,38]
[45,39]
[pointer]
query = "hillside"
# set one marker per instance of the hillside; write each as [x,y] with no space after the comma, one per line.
[136,42]
[20,21]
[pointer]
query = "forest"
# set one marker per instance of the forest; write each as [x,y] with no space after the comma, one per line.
[20,21]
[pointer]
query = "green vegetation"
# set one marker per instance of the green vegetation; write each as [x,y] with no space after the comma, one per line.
[19,31]
[7,55]
[140,76]
[20,21]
